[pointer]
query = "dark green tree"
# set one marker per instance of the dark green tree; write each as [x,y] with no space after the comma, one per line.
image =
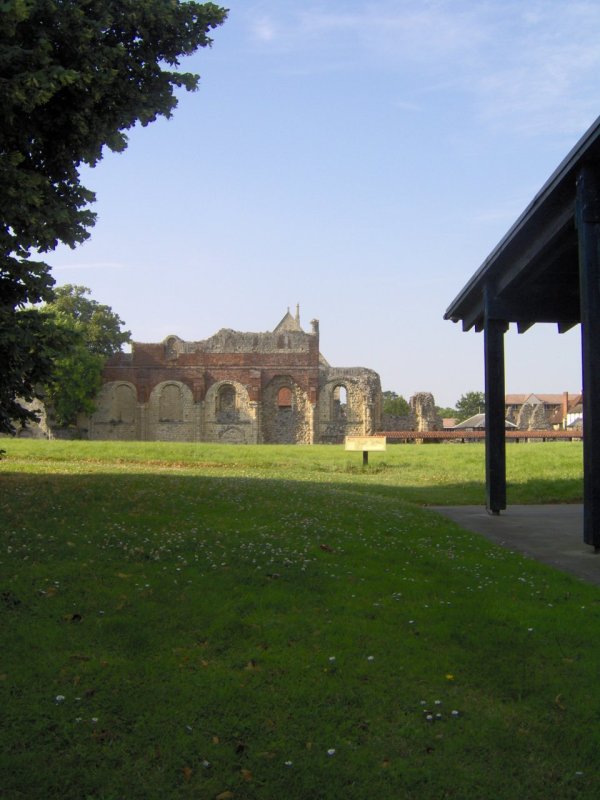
[470,404]
[30,343]
[97,324]
[446,411]
[94,332]
[394,404]
[75,75]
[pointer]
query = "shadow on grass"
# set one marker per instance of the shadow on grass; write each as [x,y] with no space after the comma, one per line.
[145,656]
[372,483]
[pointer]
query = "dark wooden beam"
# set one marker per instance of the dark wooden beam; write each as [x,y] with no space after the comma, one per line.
[523,327]
[541,306]
[541,228]
[542,238]
[473,317]
[495,445]
[588,229]
[563,327]
[556,257]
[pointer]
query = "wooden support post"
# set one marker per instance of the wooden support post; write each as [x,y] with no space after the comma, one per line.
[495,443]
[365,458]
[588,229]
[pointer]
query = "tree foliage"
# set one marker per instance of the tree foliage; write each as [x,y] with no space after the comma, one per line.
[30,342]
[94,332]
[394,404]
[98,325]
[75,382]
[470,404]
[446,412]
[75,75]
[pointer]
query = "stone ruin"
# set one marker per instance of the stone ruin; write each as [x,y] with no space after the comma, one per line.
[533,417]
[247,388]
[421,417]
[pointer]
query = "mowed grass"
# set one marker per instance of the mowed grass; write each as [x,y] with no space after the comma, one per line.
[197,621]
[449,474]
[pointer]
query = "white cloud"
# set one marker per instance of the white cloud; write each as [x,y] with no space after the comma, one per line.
[264,30]
[527,66]
[549,76]
[407,105]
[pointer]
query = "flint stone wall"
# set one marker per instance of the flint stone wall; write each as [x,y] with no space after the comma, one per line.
[423,415]
[532,417]
[237,387]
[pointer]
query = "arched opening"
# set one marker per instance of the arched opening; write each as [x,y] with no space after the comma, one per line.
[340,402]
[124,404]
[226,399]
[170,404]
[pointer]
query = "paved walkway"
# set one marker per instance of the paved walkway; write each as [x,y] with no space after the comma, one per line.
[549,533]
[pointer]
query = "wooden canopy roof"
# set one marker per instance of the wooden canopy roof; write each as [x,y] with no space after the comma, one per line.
[545,269]
[532,275]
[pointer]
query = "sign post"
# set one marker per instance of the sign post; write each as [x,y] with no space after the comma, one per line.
[366,444]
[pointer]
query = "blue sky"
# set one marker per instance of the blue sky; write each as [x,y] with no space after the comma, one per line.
[360,158]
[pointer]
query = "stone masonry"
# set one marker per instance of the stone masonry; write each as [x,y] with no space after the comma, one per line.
[423,415]
[247,388]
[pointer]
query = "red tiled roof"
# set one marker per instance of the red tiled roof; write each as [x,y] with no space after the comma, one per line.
[548,399]
[478,434]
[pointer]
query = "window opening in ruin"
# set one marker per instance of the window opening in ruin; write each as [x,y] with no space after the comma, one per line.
[284,398]
[340,402]
[124,404]
[170,404]
[226,399]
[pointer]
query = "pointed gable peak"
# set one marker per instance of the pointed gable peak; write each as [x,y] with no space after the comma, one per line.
[289,323]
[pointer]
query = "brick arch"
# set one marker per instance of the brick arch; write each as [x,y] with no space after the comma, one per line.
[171,412]
[227,399]
[124,402]
[229,415]
[226,396]
[168,399]
[116,402]
[116,411]
[170,403]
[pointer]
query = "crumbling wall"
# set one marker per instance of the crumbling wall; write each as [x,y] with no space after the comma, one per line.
[286,413]
[390,422]
[423,415]
[117,415]
[272,387]
[171,414]
[229,415]
[359,415]
[230,341]
[532,416]
[35,430]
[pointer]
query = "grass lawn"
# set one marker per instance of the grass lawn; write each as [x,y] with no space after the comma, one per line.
[201,621]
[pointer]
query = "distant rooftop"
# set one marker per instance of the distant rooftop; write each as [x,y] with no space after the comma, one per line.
[477,422]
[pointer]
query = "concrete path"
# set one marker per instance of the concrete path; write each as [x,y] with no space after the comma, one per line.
[549,533]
